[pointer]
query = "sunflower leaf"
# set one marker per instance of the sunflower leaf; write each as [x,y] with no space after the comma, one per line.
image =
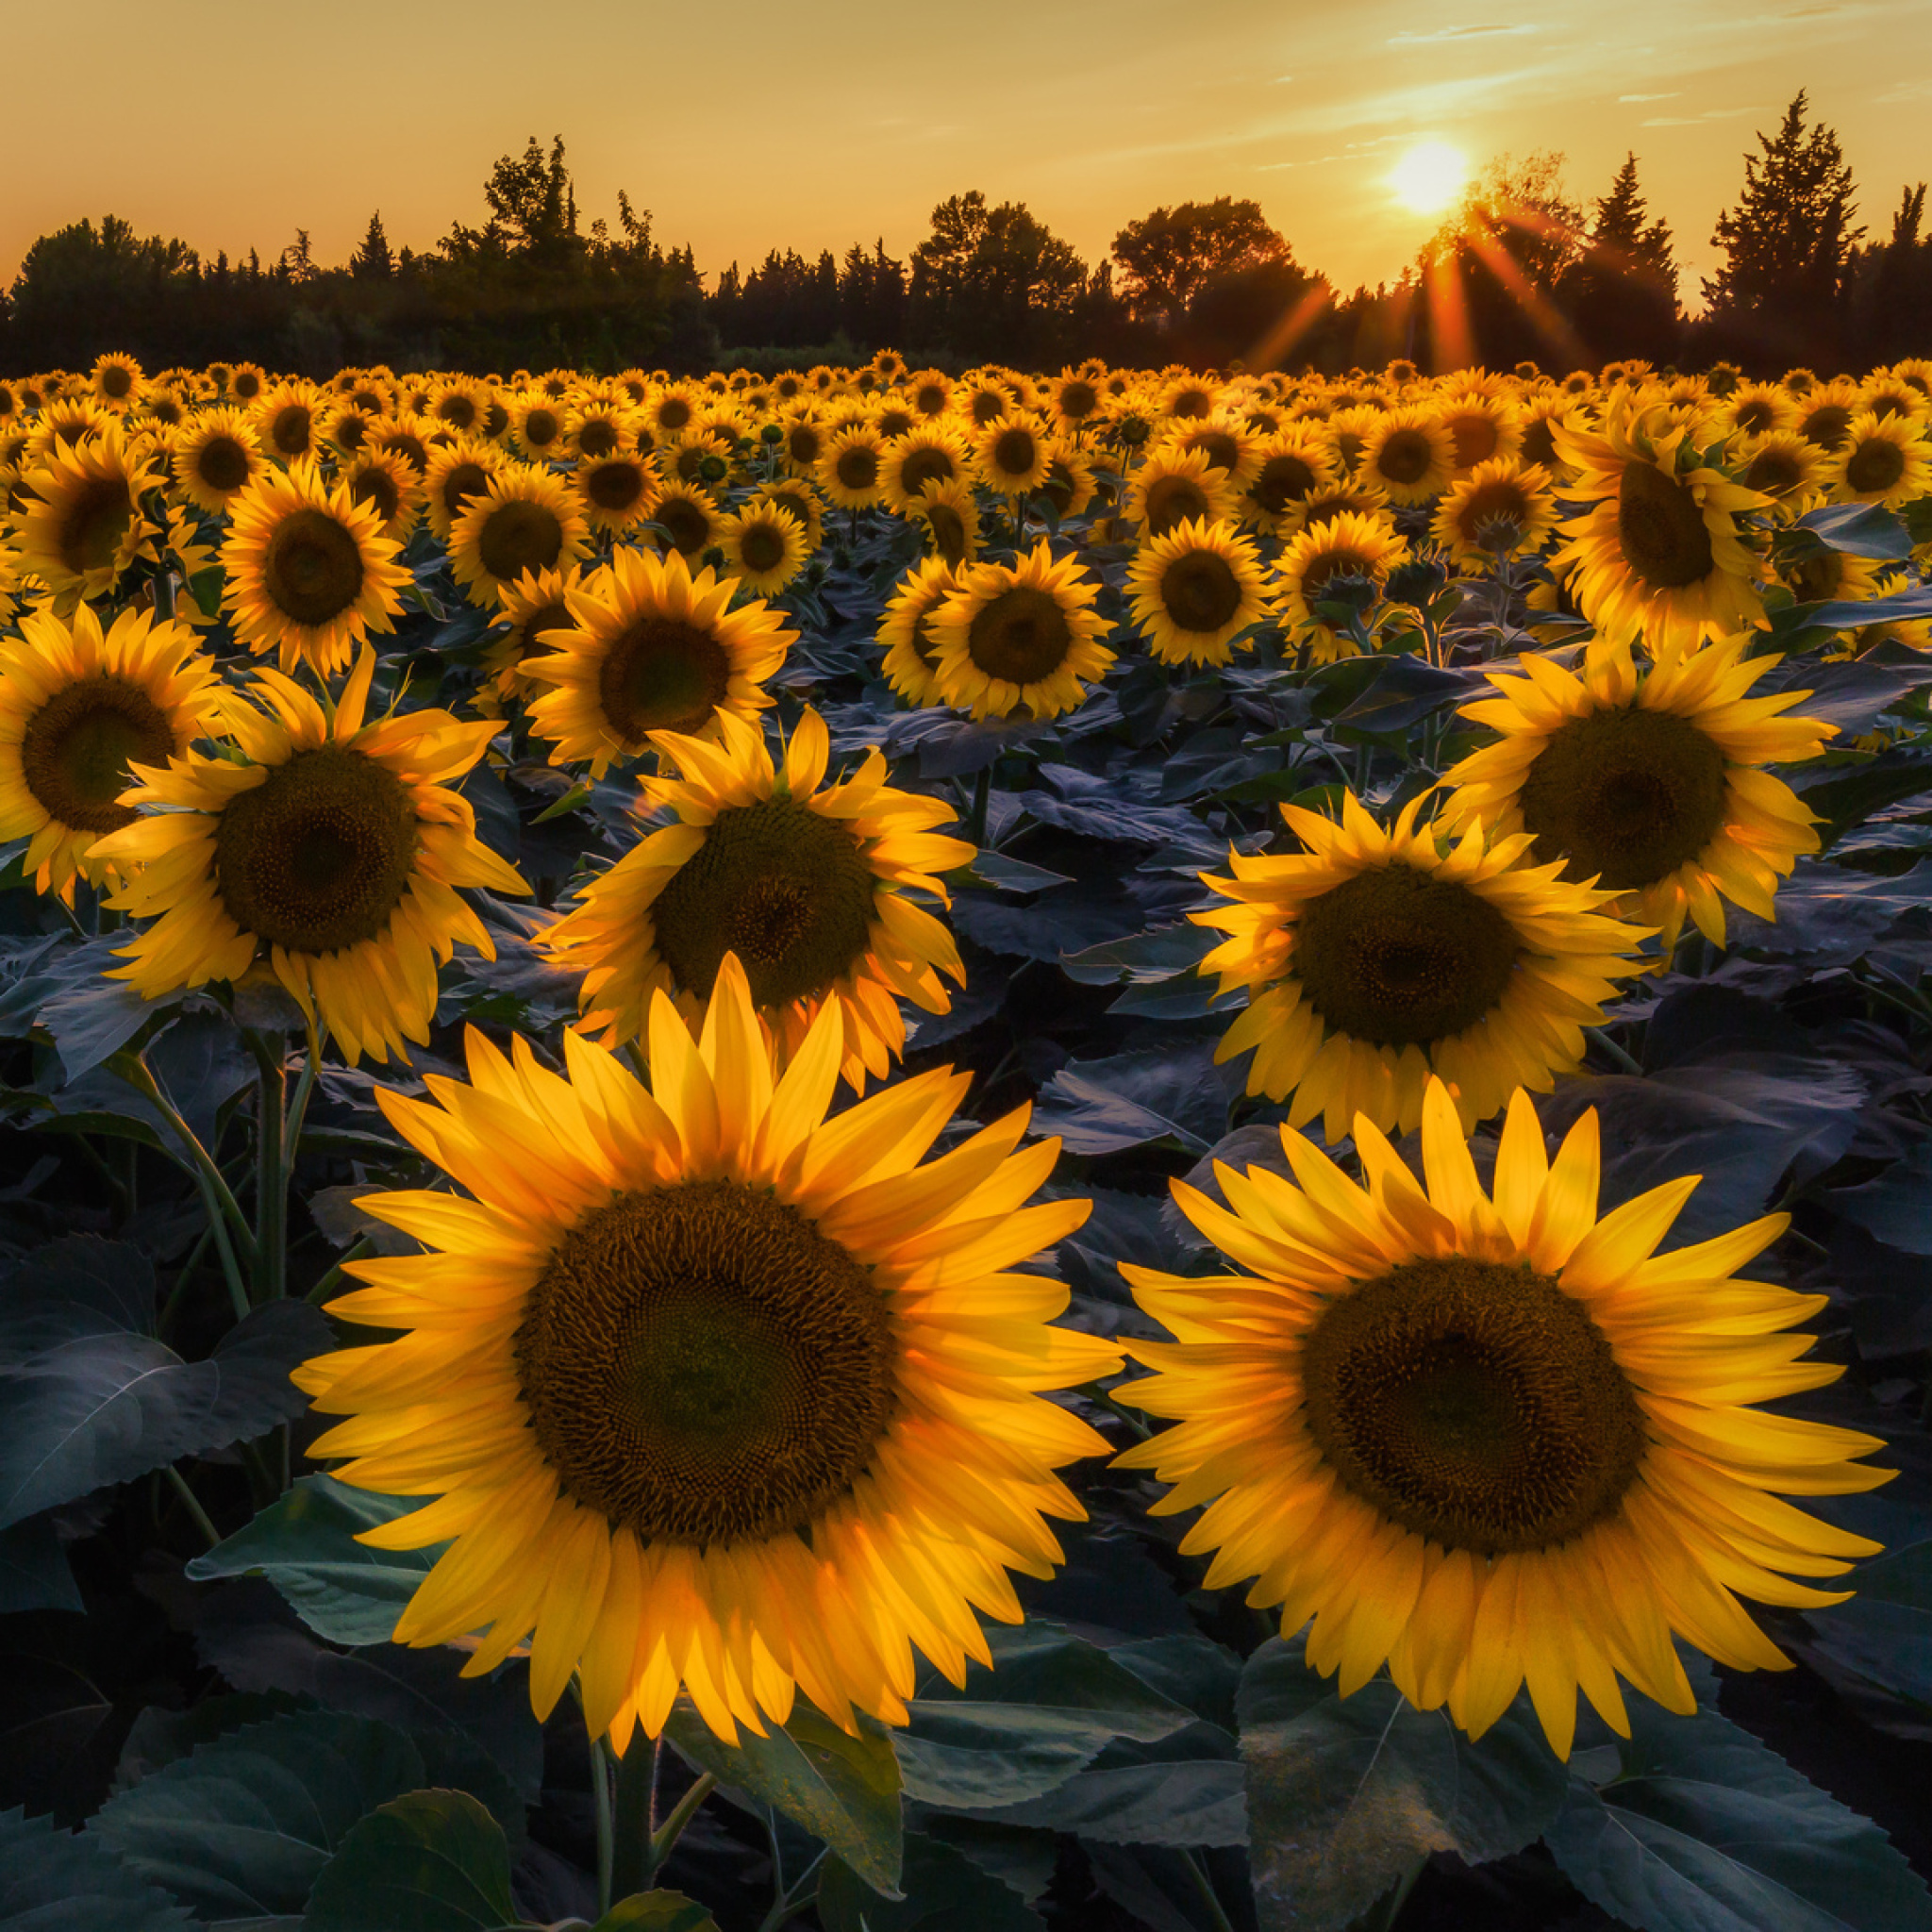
[946,1891]
[658,1910]
[426,1862]
[66,1881]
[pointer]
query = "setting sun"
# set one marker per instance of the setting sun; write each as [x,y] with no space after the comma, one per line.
[1429,177]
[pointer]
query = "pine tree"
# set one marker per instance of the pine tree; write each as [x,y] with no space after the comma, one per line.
[374,261]
[1623,292]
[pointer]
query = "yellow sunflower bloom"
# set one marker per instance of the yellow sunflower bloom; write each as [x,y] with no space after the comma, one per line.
[1019,639]
[795,496]
[1650,784]
[851,470]
[1173,486]
[713,1392]
[691,518]
[333,848]
[1485,1437]
[1481,424]
[1196,591]
[535,604]
[1375,958]
[1012,455]
[1295,462]
[216,457]
[525,519]
[653,649]
[309,572]
[118,382]
[949,515]
[387,482]
[1883,460]
[288,420]
[1345,548]
[764,547]
[538,428]
[84,528]
[1070,486]
[459,472]
[77,707]
[592,430]
[805,886]
[1502,508]
[619,492]
[930,453]
[905,631]
[1410,453]
[1786,467]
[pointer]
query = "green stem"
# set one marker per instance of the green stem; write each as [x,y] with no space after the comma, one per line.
[332,1281]
[982,793]
[183,1275]
[600,1801]
[663,1841]
[634,1825]
[1217,1913]
[789,1903]
[298,1108]
[193,1504]
[1624,1060]
[270,1177]
[134,1069]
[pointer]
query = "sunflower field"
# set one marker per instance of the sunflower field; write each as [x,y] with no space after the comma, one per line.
[894,1150]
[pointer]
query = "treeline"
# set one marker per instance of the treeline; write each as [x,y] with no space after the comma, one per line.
[1519,273]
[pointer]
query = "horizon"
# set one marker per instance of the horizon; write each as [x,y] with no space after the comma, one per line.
[1335,106]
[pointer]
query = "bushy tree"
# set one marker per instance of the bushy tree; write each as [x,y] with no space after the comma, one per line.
[993,282]
[1169,257]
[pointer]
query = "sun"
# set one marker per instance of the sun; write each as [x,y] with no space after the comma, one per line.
[1429,177]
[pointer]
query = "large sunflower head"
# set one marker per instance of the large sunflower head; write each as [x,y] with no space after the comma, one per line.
[805,882]
[618,493]
[1296,461]
[653,648]
[330,848]
[1195,592]
[288,418]
[1013,454]
[1069,485]
[1786,467]
[77,707]
[764,547]
[690,1378]
[1018,640]
[1649,783]
[1661,553]
[1883,460]
[1485,1437]
[1345,555]
[309,572]
[1410,453]
[1826,411]
[216,455]
[949,515]
[387,482]
[118,383]
[1174,486]
[796,495]
[931,452]
[1500,509]
[1375,959]
[459,472]
[690,517]
[851,470]
[538,426]
[1482,423]
[595,429]
[533,606]
[911,665]
[525,519]
[84,528]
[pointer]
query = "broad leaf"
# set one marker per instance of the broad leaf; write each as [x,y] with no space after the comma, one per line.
[1346,1793]
[658,1911]
[1897,1208]
[34,1573]
[427,1861]
[305,1546]
[1858,529]
[63,1881]
[1171,1801]
[1097,1107]
[944,1891]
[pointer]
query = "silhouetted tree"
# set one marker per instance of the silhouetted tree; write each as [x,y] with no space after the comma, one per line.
[374,261]
[993,282]
[1892,287]
[1166,257]
[1622,293]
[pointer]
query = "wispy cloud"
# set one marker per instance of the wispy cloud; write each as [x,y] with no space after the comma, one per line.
[1626,99]
[1457,33]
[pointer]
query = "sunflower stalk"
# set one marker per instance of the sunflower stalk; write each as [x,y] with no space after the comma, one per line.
[797,1898]
[1204,1886]
[192,1502]
[600,1804]
[271,1173]
[304,1087]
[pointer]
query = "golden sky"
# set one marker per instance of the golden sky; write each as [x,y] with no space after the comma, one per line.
[814,124]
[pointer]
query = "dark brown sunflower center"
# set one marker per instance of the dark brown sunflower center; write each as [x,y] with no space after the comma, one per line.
[1829,425]
[222,463]
[1475,1404]
[926,465]
[412,449]
[116,382]
[1200,590]
[376,488]
[674,413]
[1628,795]
[786,888]
[1174,500]
[459,411]
[948,528]
[1014,452]
[461,482]
[541,428]
[1818,578]
[803,444]
[1493,516]
[762,546]
[547,617]
[702,1366]
[1476,438]
[291,429]
[598,437]
[349,431]
[663,675]
[1284,479]
[857,468]
[1774,472]
[1875,465]
[313,570]
[518,536]
[1079,400]
[689,526]
[987,406]
[94,523]
[1405,456]
[930,399]
[1334,567]
[318,855]
[1398,957]
[616,487]
[1022,635]
[76,748]
[1662,528]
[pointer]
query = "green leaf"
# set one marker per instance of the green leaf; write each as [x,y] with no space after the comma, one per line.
[1703,1829]
[429,1862]
[656,1912]
[305,1546]
[34,1573]
[944,1892]
[1346,1793]
[1857,529]
[91,1398]
[842,1790]
[1172,1801]
[241,1827]
[65,1881]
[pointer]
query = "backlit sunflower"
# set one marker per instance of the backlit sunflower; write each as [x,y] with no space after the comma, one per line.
[653,648]
[1074,398]
[288,420]
[764,547]
[1017,639]
[1502,508]
[1829,576]
[691,518]
[1661,552]
[84,528]
[533,605]
[1485,1437]
[1786,467]
[851,470]
[595,429]
[1410,453]
[537,426]
[906,630]
[949,514]
[1070,486]
[309,572]
[795,495]
[1375,958]
[1012,453]
[1225,441]
[1882,460]
[216,455]
[458,473]
[526,520]
[713,1393]
[1648,783]
[931,452]
[699,458]
[618,493]
[1195,592]
[805,886]
[118,382]
[1324,560]
[1173,486]
[387,482]
[1826,412]
[1296,461]
[77,709]
[332,851]
[1481,424]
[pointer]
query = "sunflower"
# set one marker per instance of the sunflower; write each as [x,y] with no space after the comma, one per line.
[982,399]
[1347,548]
[1195,592]
[796,495]
[1016,639]
[1376,959]
[1074,398]
[1485,1437]
[386,482]
[690,517]
[458,473]
[595,429]
[1481,426]
[1172,487]
[618,493]
[764,547]
[949,515]
[805,886]
[345,428]
[652,649]
[309,572]
[1826,412]
[931,452]
[525,519]
[1295,462]
[1226,441]
[1784,466]
[1012,455]
[537,428]
[671,410]
[535,604]
[851,470]
[118,382]
[713,1391]
[333,848]
[1661,552]
[84,528]
[1757,409]
[1410,453]
[1502,508]
[905,631]
[398,438]
[77,709]
[1069,485]
[1189,396]
[1883,460]
[287,420]
[1650,785]
[1829,576]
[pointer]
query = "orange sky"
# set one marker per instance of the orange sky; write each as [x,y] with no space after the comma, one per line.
[813,126]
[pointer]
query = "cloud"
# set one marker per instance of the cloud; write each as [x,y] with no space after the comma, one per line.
[1456,33]
[1623,99]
